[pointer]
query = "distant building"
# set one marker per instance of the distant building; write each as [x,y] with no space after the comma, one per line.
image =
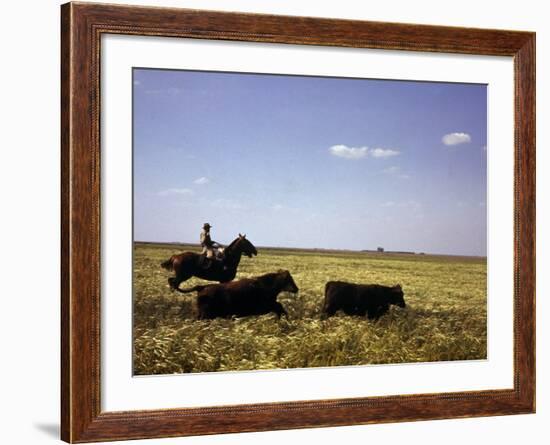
[380,249]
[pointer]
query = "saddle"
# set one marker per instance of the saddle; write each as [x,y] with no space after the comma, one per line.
[206,262]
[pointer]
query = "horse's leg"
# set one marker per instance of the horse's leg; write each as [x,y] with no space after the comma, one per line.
[180,274]
[175,282]
[171,283]
[180,277]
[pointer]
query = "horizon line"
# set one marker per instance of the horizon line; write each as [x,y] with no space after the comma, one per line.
[329,249]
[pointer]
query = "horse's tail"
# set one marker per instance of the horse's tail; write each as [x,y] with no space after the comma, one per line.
[193,289]
[168,264]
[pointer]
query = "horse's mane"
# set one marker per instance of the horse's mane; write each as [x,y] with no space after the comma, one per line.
[232,244]
[229,249]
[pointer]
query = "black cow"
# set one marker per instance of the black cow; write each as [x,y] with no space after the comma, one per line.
[360,299]
[249,296]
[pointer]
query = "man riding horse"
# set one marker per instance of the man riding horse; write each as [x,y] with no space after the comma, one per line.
[190,264]
[211,250]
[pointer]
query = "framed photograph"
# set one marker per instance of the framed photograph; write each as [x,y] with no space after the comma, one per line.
[274,222]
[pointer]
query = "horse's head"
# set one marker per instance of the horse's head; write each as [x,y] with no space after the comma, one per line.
[245,246]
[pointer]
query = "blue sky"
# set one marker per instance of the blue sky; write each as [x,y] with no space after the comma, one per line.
[300,161]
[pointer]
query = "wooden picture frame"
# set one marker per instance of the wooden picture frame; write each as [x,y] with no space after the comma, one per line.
[82,26]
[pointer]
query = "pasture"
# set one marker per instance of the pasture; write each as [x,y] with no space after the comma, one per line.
[445,318]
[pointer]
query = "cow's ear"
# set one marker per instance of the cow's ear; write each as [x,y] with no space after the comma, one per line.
[244,236]
[240,236]
[398,287]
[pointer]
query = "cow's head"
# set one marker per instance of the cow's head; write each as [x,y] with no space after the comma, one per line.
[288,282]
[397,296]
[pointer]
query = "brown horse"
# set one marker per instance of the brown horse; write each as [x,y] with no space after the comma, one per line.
[188,264]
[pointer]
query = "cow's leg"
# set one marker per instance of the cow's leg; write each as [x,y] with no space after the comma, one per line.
[279,309]
[206,305]
[372,313]
[362,311]
[378,311]
[383,309]
[329,310]
[351,310]
[205,314]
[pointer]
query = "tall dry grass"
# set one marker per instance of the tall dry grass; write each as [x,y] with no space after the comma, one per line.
[445,318]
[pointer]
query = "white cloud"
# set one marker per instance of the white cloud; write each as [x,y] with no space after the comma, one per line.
[388,204]
[278,207]
[201,181]
[456,138]
[343,151]
[383,152]
[175,191]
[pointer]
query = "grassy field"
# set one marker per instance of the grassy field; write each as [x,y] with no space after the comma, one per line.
[445,318]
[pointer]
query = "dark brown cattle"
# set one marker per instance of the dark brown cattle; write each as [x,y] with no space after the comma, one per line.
[249,296]
[372,300]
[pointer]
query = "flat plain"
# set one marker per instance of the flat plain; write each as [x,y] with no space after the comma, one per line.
[445,318]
